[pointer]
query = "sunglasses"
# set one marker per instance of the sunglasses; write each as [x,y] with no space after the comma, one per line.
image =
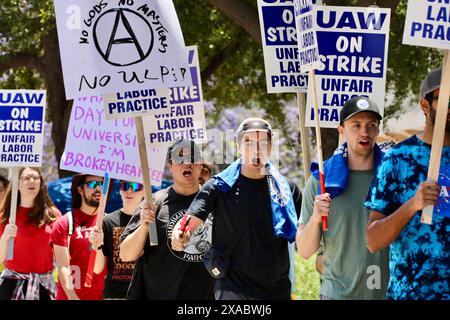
[93,184]
[135,186]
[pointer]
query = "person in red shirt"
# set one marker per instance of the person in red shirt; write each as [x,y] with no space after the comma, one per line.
[28,275]
[72,253]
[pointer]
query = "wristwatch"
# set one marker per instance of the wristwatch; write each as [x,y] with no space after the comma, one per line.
[100,247]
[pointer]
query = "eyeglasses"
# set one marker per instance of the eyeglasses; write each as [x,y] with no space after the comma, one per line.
[135,186]
[263,144]
[28,178]
[93,184]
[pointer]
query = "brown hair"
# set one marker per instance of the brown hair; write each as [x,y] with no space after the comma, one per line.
[42,211]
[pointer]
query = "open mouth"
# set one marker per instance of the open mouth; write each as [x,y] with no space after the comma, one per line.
[364,143]
[187,173]
[256,162]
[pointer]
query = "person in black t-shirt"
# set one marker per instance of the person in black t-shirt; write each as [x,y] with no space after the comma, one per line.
[168,274]
[119,272]
[249,188]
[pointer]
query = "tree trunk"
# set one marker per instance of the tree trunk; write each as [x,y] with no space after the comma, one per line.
[58,107]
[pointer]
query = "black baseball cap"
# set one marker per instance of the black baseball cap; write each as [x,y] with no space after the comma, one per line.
[253,125]
[175,153]
[357,105]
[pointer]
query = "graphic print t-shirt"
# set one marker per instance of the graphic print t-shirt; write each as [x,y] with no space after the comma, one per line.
[119,272]
[168,274]
[79,254]
[420,260]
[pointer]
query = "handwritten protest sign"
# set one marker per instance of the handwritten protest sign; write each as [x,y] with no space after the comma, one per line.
[22,114]
[279,39]
[353,46]
[95,145]
[427,24]
[113,46]
[185,119]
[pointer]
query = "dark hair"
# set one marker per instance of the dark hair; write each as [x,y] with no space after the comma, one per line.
[4,181]
[429,97]
[42,211]
[76,196]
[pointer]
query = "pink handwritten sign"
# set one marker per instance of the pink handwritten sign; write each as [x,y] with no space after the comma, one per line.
[95,145]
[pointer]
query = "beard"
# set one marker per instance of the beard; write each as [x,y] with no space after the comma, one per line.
[433,119]
[91,201]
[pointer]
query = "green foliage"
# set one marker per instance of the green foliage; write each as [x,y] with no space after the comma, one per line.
[307,279]
[407,65]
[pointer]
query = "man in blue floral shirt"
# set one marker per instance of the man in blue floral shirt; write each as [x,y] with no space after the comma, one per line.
[420,260]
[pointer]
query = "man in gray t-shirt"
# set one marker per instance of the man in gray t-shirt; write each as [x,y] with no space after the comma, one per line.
[350,270]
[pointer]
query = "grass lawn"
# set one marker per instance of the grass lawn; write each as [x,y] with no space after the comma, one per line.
[307,280]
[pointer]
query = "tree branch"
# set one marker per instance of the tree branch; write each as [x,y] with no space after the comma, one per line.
[243,14]
[219,59]
[21,60]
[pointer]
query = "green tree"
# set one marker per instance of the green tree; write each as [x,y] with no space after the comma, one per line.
[228,35]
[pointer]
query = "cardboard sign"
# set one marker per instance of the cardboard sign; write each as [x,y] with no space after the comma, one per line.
[136,103]
[279,39]
[442,207]
[308,50]
[427,24]
[95,145]
[110,46]
[185,119]
[353,46]
[22,115]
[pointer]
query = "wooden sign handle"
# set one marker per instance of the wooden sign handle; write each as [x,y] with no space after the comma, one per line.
[152,231]
[99,224]
[12,214]
[438,134]
[304,137]
[319,143]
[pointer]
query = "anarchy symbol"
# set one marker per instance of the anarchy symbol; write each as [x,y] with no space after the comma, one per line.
[131,37]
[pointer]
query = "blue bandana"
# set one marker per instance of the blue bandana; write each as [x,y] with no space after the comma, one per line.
[284,216]
[336,170]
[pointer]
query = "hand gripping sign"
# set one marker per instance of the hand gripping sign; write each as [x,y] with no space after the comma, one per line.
[22,114]
[428,24]
[110,46]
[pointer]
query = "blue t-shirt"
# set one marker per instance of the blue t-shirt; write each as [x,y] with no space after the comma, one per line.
[419,257]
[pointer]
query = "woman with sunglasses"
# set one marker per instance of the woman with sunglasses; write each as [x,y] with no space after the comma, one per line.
[119,272]
[29,274]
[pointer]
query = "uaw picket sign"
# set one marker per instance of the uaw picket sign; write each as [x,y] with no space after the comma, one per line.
[95,145]
[442,207]
[308,55]
[22,114]
[185,118]
[353,45]
[279,38]
[428,24]
[110,46]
